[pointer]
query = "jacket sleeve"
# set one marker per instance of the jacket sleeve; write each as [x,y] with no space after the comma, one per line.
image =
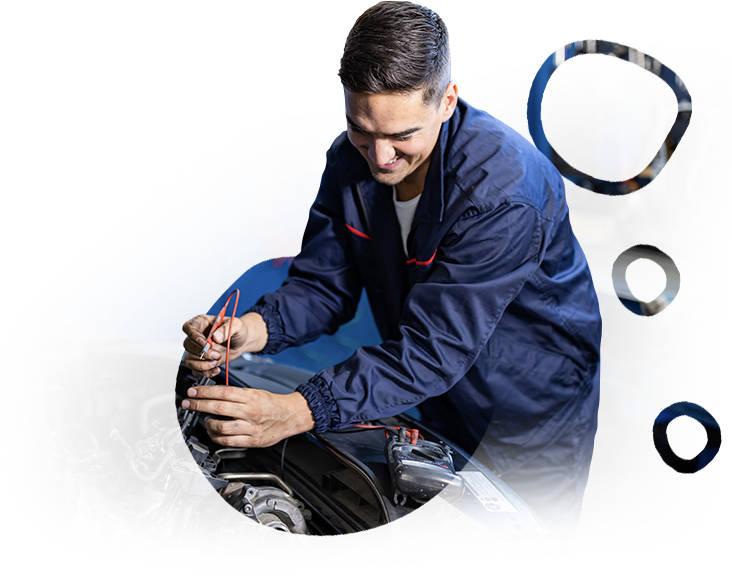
[480,267]
[323,286]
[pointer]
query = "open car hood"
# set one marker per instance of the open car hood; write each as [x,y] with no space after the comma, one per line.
[54,59]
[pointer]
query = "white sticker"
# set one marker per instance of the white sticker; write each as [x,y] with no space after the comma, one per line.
[486,492]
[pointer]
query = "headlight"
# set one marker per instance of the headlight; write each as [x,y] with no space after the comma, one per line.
[548,562]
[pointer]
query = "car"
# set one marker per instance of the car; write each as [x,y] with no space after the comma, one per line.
[104,476]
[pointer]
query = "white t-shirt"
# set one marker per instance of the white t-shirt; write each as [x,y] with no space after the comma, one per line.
[405,213]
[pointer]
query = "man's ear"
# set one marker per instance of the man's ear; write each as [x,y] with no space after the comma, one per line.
[449,101]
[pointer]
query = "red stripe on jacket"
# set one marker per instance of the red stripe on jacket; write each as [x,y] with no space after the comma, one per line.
[429,261]
[357,232]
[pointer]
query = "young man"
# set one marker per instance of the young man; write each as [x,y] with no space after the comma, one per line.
[459,231]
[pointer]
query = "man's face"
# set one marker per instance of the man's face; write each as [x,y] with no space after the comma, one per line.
[396,133]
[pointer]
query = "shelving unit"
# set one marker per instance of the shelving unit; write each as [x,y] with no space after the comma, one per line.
[623,276]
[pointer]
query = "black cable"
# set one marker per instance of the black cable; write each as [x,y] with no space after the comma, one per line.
[282,460]
[47,313]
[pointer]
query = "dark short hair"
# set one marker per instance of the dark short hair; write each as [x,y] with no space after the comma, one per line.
[397,47]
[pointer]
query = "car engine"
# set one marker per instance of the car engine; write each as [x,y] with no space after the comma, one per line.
[162,507]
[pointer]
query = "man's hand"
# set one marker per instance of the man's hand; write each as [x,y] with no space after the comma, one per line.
[260,418]
[249,334]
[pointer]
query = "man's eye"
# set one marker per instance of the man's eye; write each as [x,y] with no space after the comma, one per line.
[405,138]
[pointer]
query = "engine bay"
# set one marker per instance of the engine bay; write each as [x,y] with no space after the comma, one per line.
[130,486]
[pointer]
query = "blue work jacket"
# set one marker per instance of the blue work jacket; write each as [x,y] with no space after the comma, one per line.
[490,319]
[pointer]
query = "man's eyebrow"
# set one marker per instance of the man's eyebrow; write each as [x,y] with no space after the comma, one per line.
[394,135]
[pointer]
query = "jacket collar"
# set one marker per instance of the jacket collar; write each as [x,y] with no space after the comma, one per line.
[431,207]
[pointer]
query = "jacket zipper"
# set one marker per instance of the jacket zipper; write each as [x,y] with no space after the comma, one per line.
[361,207]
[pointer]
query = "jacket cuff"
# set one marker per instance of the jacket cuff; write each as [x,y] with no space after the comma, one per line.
[318,396]
[275,328]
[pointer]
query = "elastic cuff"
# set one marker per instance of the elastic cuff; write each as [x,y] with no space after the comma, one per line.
[275,327]
[325,411]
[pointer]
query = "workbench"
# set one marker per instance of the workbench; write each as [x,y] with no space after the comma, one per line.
[623,276]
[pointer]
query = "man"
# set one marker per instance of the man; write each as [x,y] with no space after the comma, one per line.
[459,231]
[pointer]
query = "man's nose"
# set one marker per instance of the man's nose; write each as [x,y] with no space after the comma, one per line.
[382,152]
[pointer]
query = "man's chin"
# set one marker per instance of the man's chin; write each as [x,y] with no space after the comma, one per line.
[388,178]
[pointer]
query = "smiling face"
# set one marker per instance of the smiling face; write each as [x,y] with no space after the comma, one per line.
[396,134]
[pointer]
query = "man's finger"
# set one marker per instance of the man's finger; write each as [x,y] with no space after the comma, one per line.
[217,407]
[192,346]
[237,441]
[196,327]
[208,373]
[222,332]
[229,427]
[206,367]
[225,393]
[195,349]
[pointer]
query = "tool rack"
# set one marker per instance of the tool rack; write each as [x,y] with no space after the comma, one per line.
[623,276]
